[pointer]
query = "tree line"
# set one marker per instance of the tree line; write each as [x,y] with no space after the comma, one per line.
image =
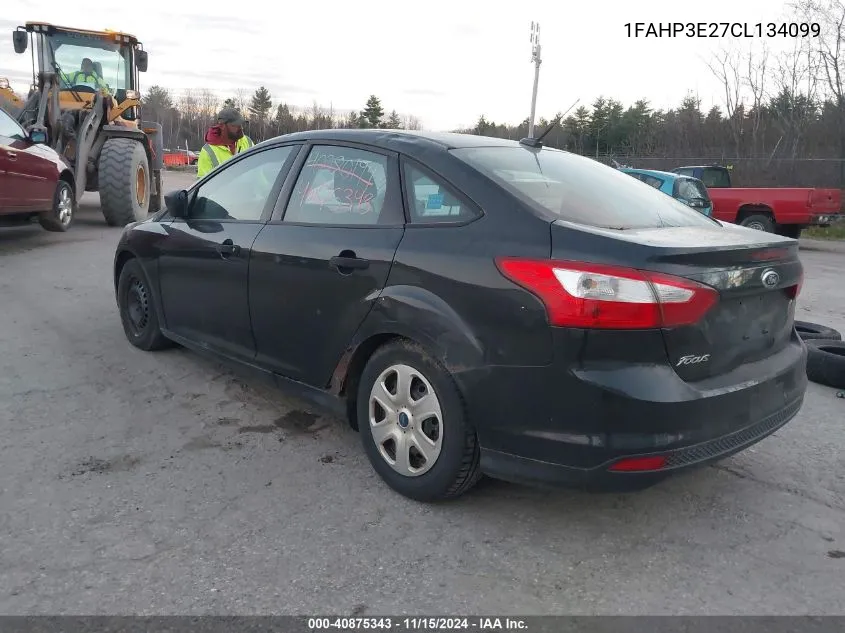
[186,117]
[781,117]
[780,120]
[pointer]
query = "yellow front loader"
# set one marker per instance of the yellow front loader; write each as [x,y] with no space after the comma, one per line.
[85,99]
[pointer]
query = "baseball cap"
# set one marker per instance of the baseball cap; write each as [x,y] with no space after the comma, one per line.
[230,115]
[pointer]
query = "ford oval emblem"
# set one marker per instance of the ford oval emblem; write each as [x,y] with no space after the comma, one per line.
[770,279]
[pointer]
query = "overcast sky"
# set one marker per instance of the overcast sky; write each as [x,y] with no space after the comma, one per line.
[446,62]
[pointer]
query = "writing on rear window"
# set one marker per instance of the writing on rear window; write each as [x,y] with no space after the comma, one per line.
[339,186]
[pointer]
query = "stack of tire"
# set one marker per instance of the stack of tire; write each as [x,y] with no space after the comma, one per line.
[825,354]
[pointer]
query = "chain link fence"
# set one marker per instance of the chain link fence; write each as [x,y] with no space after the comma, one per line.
[754,172]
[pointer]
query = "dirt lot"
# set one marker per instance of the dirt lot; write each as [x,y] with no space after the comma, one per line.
[162,483]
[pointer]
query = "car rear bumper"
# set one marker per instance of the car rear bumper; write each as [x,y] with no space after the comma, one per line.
[825,219]
[585,424]
[521,469]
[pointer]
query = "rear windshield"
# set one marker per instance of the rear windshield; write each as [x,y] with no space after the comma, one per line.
[691,189]
[716,178]
[579,189]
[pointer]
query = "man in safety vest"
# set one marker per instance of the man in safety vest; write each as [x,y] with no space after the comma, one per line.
[223,141]
[88,76]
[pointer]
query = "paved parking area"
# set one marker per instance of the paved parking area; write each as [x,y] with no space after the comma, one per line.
[165,484]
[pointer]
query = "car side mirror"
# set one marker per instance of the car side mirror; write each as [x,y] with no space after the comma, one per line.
[19,41]
[176,203]
[141,60]
[37,136]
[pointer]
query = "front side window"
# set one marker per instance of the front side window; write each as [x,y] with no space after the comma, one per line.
[240,191]
[9,127]
[339,185]
[578,189]
[433,201]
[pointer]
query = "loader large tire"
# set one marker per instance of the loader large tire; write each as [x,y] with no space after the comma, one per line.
[124,180]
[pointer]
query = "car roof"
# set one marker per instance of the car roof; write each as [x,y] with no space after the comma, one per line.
[411,142]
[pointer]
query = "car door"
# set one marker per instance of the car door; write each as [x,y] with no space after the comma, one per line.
[319,265]
[26,174]
[203,264]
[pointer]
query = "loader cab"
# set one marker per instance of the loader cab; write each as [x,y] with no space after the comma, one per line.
[86,63]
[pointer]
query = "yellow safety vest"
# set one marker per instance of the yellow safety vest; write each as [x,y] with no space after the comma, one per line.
[79,77]
[212,156]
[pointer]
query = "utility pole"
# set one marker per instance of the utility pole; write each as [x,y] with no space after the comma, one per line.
[535,57]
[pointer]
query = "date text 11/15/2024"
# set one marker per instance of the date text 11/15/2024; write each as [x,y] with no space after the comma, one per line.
[478,624]
[722,29]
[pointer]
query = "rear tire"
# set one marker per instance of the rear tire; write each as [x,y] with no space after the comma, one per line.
[812,331]
[449,464]
[124,180]
[790,230]
[137,309]
[760,222]
[60,217]
[826,362]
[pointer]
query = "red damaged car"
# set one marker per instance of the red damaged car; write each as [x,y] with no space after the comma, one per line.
[782,210]
[34,180]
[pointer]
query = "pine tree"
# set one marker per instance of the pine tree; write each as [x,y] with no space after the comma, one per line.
[373,112]
[285,123]
[259,108]
[393,122]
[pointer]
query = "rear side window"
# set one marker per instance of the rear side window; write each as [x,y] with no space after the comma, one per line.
[649,180]
[579,189]
[433,201]
[715,177]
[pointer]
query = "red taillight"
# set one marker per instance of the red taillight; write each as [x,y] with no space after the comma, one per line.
[793,291]
[633,464]
[610,297]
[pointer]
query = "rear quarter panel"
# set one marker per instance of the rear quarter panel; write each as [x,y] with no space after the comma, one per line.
[445,289]
[789,205]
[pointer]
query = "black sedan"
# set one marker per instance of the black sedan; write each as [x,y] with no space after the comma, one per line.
[476,305]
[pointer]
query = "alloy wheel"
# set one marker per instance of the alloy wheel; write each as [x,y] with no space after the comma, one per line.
[64,208]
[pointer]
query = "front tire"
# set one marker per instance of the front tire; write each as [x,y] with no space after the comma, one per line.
[413,424]
[790,230]
[137,309]
[60,217]
[124,182]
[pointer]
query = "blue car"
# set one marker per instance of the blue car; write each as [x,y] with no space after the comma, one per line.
[690,191]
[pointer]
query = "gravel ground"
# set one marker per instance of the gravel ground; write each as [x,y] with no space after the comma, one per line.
[134,483]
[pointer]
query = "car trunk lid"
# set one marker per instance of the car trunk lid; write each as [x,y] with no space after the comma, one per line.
[757,276]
